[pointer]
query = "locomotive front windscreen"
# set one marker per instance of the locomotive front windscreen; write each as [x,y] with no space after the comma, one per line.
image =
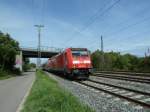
[80,53]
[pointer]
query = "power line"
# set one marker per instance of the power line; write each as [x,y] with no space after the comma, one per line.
[32,10]
[38,10]
[126,27]
[119,24]
[90,23]
[43,11]
[138,14]
[94,19]
[130,25]
[122,40]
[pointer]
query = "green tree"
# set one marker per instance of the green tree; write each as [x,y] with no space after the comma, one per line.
[118,62]
[33,65]
[97,59]
[144,64]
[8,50]
[26,64]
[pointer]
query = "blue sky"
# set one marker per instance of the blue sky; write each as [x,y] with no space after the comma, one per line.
[79,23]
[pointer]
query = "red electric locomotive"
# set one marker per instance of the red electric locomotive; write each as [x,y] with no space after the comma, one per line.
[73,62]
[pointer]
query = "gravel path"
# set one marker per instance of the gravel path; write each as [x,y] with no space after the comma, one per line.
[99,101]
[123,83]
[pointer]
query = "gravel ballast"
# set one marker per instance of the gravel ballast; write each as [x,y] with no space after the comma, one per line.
[99,101]
[129,84]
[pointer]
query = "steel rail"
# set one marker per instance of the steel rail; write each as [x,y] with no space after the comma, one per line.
[118,95]
[125,73]
[120,87]
[123,78]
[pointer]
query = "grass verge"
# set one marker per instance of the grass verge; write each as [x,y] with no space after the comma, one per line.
[4,75]
[47,96]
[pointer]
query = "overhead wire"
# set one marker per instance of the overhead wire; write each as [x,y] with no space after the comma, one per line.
[119,24]
[131,25]
[43,11]
[94,42]
[96,16]
[138,14]
[32,10]
[125,28]
[91,18]
[126,37]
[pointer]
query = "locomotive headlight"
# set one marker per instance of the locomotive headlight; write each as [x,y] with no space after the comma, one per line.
[76,62]
[87,61]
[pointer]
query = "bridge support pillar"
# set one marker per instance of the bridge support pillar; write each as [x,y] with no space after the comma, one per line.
[19,61]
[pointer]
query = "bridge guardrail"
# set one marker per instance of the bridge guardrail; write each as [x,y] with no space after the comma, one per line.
[43,48]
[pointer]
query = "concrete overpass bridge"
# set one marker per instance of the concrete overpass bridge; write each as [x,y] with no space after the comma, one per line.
[46,52]
[31,52]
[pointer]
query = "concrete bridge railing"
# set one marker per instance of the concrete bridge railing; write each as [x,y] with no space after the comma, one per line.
[42,49]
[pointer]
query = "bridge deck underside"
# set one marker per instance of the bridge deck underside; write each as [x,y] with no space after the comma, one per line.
[34,54]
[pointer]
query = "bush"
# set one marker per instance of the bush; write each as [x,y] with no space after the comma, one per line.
[114,61]
[8,51]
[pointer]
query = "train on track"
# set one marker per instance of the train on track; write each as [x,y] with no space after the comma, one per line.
[74,63]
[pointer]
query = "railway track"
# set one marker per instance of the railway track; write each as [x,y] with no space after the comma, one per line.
[125,73]
[135,96]
[123,77]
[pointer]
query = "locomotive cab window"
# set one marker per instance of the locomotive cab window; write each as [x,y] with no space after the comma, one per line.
[80,53]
